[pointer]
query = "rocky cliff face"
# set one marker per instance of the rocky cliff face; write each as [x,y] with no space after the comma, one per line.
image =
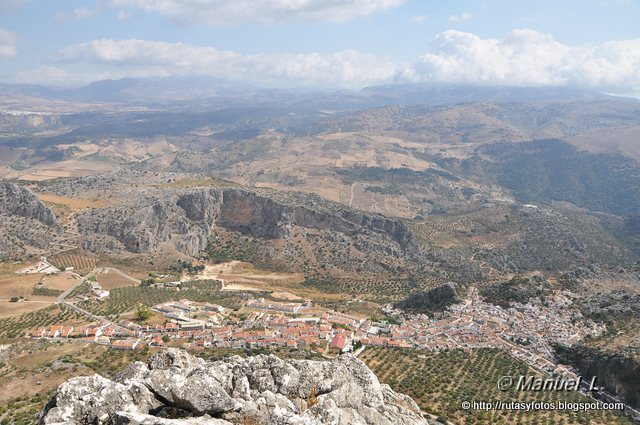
[19,201]
[277,230]
[27,225]
[21,121]
[176,388]
[186,219]
[619,373]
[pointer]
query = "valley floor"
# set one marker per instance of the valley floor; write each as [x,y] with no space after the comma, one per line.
[202,313]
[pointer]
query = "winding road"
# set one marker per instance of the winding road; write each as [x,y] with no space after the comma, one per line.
[62,298]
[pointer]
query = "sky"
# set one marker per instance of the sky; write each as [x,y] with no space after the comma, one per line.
[593,44]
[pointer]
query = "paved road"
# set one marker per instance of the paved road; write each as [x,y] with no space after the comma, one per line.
[83,312]
[62,298]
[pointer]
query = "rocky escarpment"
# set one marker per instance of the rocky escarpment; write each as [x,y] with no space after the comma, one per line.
[25,121]
[186,219]
[176,388]
[273,218]
[277,230]
[27,225]
[19,201]
[436,299]
[618,372]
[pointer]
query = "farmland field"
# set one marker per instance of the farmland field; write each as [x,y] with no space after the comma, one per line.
[74,203]
[18,285]
[53,314]
[125,299]
[440,381]
[9,309]
[110,280]
[59,282]
[81,264]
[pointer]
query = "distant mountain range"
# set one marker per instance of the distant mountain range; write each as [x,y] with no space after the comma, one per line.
[207,91]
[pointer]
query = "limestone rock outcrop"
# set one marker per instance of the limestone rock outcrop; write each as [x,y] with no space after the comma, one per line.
[436,299]
[186,219]
[19,201]
[177,388]
[27,225]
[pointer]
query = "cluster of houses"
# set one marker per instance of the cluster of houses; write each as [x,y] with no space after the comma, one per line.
[110,334]
[272,329]
[526,331]
[203,325]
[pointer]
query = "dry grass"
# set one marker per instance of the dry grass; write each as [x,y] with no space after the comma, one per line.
[250,420]
[61,282]
[111,280]
[28,385]
[9,309]
[41,358]
[312,397]
[30,375]
[18,285]
[73,203]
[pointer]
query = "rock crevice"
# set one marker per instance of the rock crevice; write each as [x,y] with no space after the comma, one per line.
[177,388]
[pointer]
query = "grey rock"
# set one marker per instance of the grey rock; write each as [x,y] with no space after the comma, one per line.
[94,399]
[262,389]
[125,418]
[185,219]
[179,359]
[20,201]
[27,226]
[197,392]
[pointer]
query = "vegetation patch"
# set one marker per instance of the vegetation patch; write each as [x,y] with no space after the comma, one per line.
[125,299]
[17,326]
[440,381]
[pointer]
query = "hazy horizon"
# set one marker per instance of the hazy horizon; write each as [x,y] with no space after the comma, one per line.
[324,44]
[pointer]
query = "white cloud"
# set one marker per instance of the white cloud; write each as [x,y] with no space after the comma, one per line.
[466,16]
[528,57]
[522,58]
[343,68]
[418,19]
[225,12]
[7,44]
[75,15]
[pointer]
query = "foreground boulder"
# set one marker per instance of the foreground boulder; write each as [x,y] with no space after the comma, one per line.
[177,388]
